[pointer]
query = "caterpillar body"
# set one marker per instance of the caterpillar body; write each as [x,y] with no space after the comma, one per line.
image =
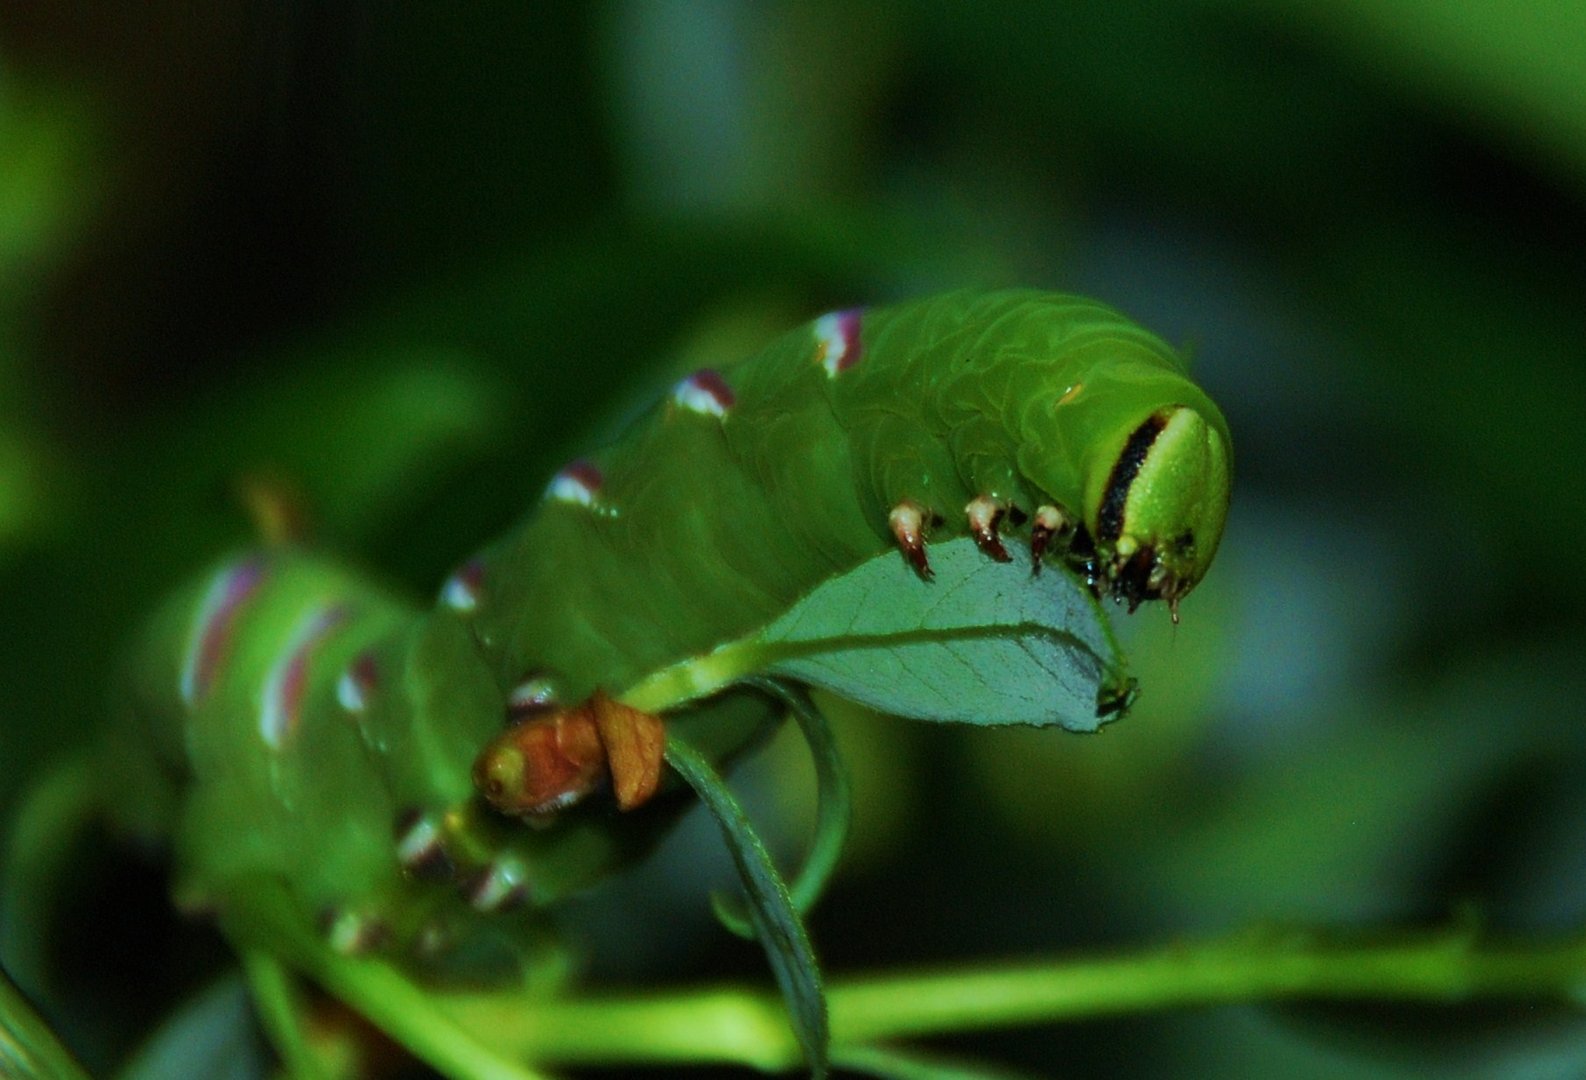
[293,720]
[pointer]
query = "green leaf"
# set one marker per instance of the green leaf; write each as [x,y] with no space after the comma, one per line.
[776,923]
[833,812]
[983,643]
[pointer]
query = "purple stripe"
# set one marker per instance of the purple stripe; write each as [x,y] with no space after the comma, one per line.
[216,626]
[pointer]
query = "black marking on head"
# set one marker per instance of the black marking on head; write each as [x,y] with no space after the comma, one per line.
[1116,698]
[1132,581]
[1109,521]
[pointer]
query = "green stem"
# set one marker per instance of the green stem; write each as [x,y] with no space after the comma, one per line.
[833,811]
[28,1048]
[747,1027]
[280,1012]
[262,917]
[697,677]
[1259,966]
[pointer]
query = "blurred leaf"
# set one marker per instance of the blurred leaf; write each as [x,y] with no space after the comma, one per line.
[739,107]
[1361,818]
[1473,356]
[212,1035]
[38,848]
[47,180]
[360,433]
[1186,93]
[31,487]
[460,134]
[1516,66]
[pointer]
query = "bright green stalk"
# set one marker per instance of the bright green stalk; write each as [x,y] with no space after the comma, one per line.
[747,1027]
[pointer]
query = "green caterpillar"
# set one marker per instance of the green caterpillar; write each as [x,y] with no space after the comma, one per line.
[292,721]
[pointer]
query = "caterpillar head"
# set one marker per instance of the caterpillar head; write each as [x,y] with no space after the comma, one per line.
[1157,513]
[1134,457]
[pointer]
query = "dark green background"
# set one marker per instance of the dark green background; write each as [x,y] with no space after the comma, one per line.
[413,260]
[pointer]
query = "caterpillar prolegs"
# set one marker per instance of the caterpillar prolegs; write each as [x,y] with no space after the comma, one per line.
[294,721]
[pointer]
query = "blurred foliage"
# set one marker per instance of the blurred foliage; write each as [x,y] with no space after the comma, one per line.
[411,263]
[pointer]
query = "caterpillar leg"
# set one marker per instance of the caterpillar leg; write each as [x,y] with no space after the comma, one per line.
[911,478]
[1001,497]
[1048,524]
[909,522]
[985,514]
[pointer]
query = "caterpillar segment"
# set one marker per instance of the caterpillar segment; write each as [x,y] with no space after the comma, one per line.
[327,739]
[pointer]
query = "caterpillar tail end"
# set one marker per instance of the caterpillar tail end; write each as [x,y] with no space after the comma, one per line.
[549,763]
